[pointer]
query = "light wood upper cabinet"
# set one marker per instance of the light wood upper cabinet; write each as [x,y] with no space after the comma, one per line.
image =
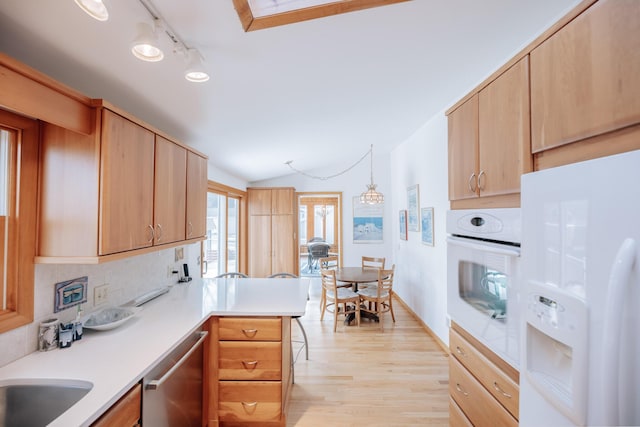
[170,191]
[196,196]
[271,201]
[282,201]
[463,150]
[505,149]
[118,192]
[585,77]
[127,185]
[259,200]
[489,146]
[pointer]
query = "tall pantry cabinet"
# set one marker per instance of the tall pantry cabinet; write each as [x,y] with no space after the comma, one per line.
[272,231]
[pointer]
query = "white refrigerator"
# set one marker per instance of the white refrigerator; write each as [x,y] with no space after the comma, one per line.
[580,304]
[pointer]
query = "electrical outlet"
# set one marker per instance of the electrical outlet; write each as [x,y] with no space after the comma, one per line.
[100,294]
[170,270]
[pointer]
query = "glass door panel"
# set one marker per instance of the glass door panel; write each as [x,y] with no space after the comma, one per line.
[233,221]
[317,222]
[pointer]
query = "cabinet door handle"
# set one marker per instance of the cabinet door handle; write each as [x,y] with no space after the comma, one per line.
[250,332]
[250,365]
[249,407]
[159,236]
[460,351]
[153,233]
[480,186]
[499,389]
[190,229]
[461,390]
[470,182]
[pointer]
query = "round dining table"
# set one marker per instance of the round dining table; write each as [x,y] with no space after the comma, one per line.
[356,275]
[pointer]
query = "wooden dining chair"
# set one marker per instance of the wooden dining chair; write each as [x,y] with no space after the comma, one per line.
[372,262]
[331,262]
[338,300]
[379,299]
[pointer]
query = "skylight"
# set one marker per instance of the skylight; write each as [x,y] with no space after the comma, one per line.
[259,14]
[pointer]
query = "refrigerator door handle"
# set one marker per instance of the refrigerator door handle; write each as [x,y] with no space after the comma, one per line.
[618,281]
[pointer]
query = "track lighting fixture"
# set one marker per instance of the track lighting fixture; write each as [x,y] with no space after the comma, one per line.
[94,8]
[146,46]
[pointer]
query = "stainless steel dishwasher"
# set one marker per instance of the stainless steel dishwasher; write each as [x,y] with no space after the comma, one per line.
[173,388]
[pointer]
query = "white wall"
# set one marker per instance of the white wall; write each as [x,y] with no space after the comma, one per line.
[351,184]
[421,270]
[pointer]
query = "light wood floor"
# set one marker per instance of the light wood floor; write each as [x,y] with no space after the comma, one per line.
[365,377]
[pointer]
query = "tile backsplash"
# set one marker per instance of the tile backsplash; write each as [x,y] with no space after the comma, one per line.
[125,278]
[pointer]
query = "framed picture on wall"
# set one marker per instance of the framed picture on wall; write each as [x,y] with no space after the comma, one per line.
[427,226]
[367,222]
[403,225]
[413,206]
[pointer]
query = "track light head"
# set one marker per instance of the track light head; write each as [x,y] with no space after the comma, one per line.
[94,8]
[145,45]
[195,71]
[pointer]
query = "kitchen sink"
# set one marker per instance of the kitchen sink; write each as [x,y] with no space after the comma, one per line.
[37,402]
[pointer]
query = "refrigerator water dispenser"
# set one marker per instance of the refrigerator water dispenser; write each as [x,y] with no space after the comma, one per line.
[556,356]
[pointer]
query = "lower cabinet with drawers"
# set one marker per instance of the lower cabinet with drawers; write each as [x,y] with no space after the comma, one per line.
[249,371]
[483,389]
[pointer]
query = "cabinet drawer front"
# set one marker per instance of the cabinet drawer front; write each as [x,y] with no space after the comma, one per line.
[457,418]
[125,412]
[249,360]
[250,401]
[503,388]
[476,402]
[250,329]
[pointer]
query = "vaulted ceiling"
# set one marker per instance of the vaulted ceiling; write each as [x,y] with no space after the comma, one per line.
[317,92]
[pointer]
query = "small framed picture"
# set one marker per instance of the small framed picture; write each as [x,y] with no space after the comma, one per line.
[427,226]
[403,225]
[413,208]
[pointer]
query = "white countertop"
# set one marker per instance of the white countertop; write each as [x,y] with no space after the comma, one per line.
[117,359]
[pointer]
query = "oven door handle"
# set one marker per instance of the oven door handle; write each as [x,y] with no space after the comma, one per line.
[484,246]
[155,384]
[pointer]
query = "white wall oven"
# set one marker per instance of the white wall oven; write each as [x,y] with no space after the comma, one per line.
[483,257]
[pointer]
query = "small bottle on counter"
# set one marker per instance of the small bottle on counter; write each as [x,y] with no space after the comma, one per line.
[65,335]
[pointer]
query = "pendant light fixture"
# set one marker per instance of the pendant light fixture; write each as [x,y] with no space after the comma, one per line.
[94,8]
[145,46]
[371,196]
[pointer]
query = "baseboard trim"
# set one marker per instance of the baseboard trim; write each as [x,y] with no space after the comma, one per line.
[443,346]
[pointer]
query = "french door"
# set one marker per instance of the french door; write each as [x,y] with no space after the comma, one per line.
[319,219]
